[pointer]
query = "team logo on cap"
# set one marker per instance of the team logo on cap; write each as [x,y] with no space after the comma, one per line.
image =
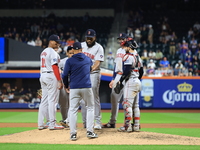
[88,32]
[120,35]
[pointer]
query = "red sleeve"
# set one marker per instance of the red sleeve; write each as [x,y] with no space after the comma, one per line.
[56,72]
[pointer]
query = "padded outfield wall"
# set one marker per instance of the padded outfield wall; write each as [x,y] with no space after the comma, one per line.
[157,92]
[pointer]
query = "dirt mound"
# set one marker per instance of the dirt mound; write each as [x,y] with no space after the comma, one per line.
[106,137]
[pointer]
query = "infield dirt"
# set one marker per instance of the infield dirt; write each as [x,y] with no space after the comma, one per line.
[106,136]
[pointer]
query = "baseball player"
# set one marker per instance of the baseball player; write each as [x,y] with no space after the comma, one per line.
[131,74]
[118,70]
[79,67]
[95,51]
[64,96]
[51,84]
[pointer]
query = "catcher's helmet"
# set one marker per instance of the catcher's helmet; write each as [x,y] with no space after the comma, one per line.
[132,44]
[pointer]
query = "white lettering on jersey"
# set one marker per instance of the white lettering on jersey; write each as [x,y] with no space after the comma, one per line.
[48,58]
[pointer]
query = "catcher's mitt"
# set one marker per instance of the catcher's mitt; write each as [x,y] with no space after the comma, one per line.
[39,92]
[118,87]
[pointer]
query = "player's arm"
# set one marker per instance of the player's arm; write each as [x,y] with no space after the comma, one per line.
[57,74]
[113,78]
[96,65]
[99,57]
[114,73]
[65,74]
[118,64]
[141,72]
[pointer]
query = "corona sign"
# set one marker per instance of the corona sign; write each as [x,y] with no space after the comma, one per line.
[184,94]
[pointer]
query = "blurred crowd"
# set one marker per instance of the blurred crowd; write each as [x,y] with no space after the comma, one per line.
[158,40]
[165,54]
[22,95]
[36,32]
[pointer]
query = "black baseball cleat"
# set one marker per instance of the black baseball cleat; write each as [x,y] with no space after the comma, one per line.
[91,135]
[73,137]
[108,125]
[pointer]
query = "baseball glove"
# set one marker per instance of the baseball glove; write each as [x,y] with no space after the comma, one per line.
[39,92]
[118,87]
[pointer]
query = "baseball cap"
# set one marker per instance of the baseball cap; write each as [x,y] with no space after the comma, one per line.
[77,45]
[90,33]
[69,48]
[122,36]
[54,38]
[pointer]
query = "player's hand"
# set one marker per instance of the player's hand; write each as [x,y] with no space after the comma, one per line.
[60,85]
[67,90]
[111,83]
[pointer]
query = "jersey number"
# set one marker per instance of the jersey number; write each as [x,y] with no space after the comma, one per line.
[43,63]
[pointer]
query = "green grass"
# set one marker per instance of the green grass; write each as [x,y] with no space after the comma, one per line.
[6,131]
[170,117]
[193,132]
[31,117]
[13,146]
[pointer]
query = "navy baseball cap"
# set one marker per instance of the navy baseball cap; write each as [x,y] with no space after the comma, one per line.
[122,36]
[69,48]
[54,38]
[90,33]
[77,45]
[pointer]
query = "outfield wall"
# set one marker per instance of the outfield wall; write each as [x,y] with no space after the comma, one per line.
[157,92]
[171,92]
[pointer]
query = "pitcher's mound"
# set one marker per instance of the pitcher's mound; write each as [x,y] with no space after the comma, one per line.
[106,137]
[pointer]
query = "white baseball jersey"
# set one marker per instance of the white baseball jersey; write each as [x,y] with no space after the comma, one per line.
[62,63]
[95,52]
[118,60]
[48,57]
[49,83]
[131,59]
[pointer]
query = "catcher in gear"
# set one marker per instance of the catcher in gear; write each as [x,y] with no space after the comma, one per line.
[132,72]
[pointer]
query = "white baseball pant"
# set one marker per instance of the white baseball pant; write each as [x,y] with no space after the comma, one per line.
[76,95]
[95,81]
[49,101]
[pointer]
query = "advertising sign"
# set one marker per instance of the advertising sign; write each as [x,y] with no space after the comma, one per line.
[176,94]
[147,93]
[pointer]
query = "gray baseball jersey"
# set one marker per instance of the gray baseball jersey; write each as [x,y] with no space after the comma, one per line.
[115,98]
[95,52]
[64,96]
[49,83]
[62,63]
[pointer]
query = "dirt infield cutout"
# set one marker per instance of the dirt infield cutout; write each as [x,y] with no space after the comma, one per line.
[106,137]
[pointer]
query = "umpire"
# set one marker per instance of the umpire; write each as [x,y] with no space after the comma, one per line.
[78,67]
